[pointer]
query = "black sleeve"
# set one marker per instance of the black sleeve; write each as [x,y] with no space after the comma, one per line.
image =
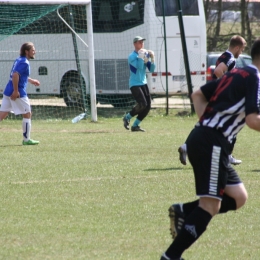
[209,88]
[252,101]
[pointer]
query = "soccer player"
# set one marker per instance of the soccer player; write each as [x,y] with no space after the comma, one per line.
[231,102]
[225,62]
[15,97]
[139,60]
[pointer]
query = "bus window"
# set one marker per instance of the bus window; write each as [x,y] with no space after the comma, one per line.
[189,7]
[108,16]
[129,11]
[117,16]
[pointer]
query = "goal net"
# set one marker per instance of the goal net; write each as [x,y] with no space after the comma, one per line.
[70,83]
[59,32]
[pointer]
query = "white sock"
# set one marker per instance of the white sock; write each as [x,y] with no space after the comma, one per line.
[26,129]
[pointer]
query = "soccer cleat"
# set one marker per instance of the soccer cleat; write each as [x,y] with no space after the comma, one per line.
[30,142]
[177,218]
[233,160]
[137,129]
[164,257]
[183,154]
[126,123]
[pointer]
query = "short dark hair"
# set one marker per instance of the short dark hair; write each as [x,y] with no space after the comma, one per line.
[255,49]
[26,47]
[237,40]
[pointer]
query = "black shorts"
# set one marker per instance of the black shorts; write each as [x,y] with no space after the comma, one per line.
[208,152]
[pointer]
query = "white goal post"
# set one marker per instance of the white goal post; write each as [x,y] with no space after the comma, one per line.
[90,40]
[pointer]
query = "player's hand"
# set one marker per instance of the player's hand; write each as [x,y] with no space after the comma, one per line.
[141,53]
[35,82]
[151,53]
[15,95]
[146,57]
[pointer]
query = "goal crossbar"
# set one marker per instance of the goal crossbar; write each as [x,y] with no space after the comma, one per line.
[46,2]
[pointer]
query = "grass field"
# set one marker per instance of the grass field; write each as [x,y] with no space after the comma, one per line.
[97,191]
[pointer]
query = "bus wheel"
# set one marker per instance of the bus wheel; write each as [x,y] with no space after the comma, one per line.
[71,91]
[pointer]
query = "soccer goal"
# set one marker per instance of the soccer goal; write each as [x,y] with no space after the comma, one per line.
[62,33]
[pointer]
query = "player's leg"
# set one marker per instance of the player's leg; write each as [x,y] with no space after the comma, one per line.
[234,197]
[232,159]
[143,113]
[239,193]
[141,104]
[210,183]
[235,194]
[5,108]
[22,106]
[140,98]
[182,150]
[27,125]
[3,115]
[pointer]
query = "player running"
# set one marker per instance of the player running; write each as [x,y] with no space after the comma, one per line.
[231,102]
[225,62]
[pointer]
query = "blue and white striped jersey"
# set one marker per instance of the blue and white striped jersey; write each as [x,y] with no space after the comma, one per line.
[230,100]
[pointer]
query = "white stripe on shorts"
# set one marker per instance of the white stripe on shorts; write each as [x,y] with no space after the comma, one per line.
[214,171]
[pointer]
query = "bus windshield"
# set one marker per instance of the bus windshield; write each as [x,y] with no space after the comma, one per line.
[189,7]
[108,16]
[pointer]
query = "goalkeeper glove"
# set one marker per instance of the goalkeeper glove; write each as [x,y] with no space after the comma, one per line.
[141,53]
[151,53]
[146,57]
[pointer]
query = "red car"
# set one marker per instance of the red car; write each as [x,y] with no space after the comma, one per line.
[212,57]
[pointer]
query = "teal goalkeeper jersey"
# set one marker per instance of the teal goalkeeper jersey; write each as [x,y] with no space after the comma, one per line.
[138,70]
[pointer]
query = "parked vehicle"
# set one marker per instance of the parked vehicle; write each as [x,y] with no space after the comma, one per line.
[212,57]
[62,61]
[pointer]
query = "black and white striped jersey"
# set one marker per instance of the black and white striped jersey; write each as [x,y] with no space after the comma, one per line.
[228,58]
[230,100]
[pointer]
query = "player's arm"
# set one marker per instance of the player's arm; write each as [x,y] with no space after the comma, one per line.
[151,64]
[202,96]
[252,101]
[220,70]
[15,81]
[199,101]
[253,121]
[35,82]
[136,61]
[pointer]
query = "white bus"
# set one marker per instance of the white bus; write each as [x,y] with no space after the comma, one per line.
[61,57]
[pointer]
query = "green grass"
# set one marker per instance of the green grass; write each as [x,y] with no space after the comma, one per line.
[97,191]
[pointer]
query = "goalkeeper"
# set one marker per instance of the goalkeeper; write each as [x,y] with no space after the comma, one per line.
[139,60]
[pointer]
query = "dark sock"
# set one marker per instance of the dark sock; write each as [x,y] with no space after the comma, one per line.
[193,227]
[189,207]
[227,204]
